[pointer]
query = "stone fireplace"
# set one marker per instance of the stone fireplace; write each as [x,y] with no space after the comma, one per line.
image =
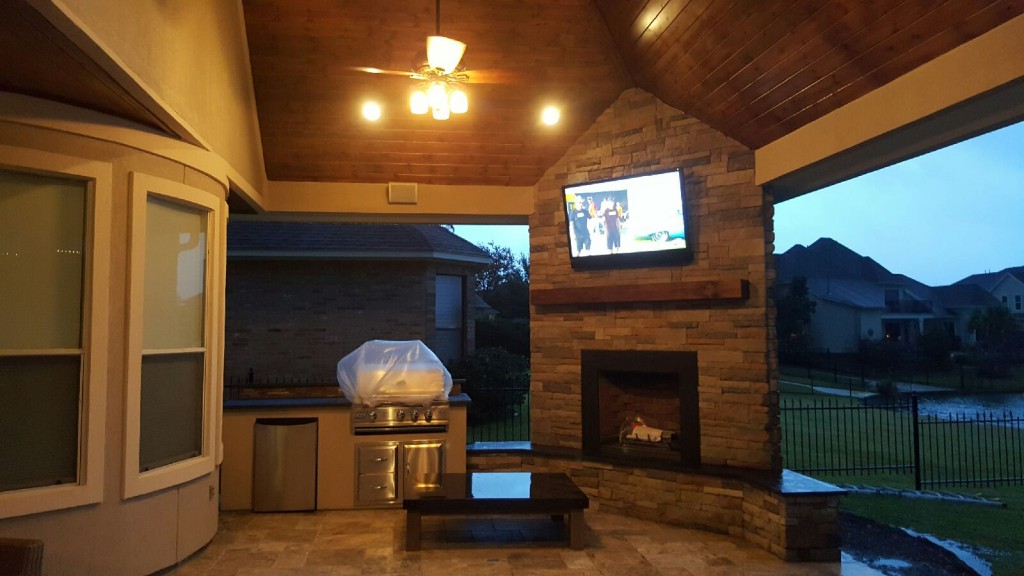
[659,387]
[688,347]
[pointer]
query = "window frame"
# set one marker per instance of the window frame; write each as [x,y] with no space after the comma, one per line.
[94,377]
[462,328]
[142,186]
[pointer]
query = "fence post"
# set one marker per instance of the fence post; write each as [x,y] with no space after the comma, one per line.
[917,442]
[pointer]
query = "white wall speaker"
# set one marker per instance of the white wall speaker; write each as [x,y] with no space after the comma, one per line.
[401,193]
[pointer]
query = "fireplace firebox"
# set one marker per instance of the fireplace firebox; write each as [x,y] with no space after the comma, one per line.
[654,389]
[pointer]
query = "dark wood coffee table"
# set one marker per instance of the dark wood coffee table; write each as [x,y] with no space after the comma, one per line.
[499,493]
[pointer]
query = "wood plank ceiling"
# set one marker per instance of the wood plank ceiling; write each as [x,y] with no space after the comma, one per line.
[755,70]
[521,55]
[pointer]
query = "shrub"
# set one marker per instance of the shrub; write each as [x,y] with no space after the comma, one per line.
[496,380]
[512,334]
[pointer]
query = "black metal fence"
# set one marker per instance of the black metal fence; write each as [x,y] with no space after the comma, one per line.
[899,363]
[511,424]
[840,436]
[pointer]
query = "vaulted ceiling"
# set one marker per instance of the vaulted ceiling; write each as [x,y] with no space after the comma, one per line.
[755,70]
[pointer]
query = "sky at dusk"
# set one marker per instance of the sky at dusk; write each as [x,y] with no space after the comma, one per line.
[937,218]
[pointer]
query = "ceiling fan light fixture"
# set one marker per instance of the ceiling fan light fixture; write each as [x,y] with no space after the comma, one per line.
[441,112]
[444,53]
[418,102]
[458,102]
[437,94]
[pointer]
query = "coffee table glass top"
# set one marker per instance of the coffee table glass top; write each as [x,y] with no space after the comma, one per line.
[477,489]
[500,485]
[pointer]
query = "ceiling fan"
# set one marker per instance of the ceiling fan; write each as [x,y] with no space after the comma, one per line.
[440,76]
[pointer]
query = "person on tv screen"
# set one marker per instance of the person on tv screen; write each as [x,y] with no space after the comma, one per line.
[611,225]
[581,227]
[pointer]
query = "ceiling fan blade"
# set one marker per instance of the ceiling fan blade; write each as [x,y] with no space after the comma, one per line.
[494,76]
[372,70]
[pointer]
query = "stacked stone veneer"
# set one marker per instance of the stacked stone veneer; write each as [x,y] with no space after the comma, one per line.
[730,222]
[729,218]
[794,526]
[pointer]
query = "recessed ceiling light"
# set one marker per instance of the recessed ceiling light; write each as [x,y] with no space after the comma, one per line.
[550,116]
[371,111]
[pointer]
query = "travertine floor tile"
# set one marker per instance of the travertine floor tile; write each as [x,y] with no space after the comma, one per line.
[372,543]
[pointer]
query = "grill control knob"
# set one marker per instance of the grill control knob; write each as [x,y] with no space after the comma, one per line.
[372,415]
[415,415]
[401,415]
[428,415]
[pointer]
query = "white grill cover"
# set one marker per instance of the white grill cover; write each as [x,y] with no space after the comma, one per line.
[393,371]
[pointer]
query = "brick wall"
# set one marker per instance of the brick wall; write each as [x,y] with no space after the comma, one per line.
[730,218]
[297,318]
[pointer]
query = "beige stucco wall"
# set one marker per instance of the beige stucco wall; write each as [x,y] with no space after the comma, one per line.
[191,58]
[118,535]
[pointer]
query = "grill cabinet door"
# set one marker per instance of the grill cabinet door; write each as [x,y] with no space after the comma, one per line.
[424,467]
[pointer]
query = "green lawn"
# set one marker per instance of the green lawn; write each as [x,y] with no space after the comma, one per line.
[996,532]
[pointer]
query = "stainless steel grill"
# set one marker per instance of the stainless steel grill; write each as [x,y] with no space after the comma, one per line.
[399,419]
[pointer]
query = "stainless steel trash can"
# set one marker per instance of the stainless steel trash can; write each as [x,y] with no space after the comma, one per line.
[284,464]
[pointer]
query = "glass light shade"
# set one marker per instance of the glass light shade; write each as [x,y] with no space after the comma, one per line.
[444,53]
[437,95]
[457,101]
[441,112]
[418,102]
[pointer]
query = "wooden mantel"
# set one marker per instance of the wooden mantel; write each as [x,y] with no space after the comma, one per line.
[693,291]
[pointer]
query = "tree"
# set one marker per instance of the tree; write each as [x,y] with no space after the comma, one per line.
[505,283]
[794,311]
[992,326]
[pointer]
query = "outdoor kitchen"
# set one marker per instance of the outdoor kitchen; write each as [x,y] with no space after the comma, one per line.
[397,426]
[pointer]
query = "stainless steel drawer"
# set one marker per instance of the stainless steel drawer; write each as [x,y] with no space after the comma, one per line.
[376,488]
[377,458]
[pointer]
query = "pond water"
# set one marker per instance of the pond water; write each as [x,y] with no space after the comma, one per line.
[969,404]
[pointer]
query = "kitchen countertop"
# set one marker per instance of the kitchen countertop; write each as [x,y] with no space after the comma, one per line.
[306,402]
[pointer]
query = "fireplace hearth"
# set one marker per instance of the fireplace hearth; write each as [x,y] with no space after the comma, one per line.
[655,390]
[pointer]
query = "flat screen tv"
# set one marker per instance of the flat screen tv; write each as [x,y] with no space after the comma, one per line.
[629,222]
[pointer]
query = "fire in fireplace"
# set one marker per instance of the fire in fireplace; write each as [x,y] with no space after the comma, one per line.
[641,407]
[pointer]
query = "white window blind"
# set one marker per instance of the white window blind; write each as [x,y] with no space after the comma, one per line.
[42,252]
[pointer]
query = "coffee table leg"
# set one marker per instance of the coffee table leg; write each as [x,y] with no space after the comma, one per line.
[576,529]
[412,531]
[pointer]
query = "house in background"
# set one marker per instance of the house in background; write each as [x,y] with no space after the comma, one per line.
[859,299]
[302,295]
[1006,286]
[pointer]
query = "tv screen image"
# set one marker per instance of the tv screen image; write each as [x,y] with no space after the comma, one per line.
[628,222]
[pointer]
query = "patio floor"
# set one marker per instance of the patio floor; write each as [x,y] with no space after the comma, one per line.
[371,542]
